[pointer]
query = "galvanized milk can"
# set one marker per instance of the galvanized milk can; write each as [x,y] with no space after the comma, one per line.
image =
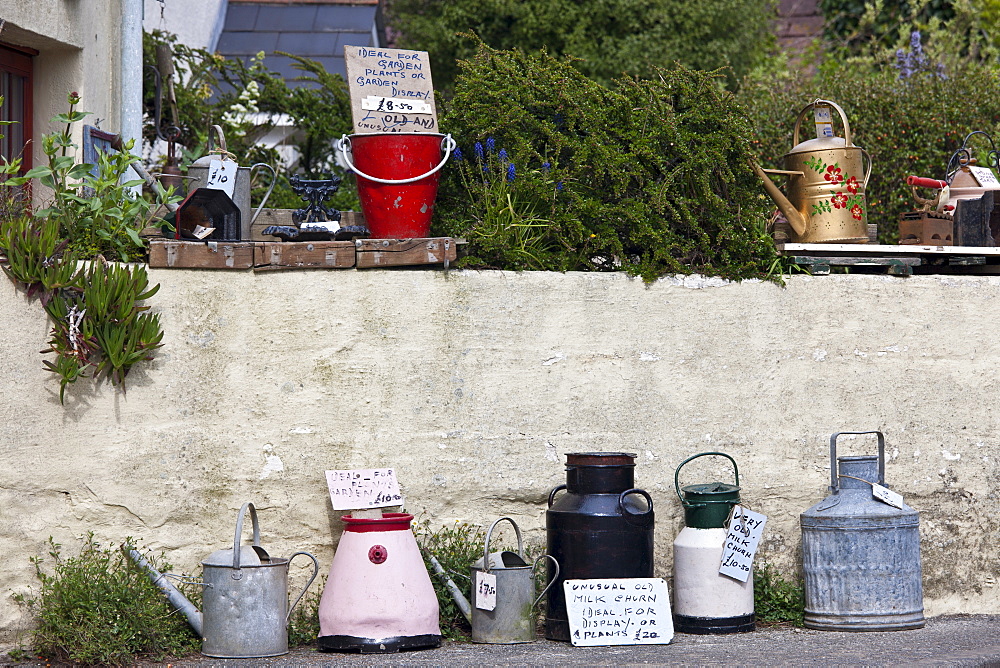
[513,618]
[245,602]
[598,529]
[706,601]
[826,185]
[861,557]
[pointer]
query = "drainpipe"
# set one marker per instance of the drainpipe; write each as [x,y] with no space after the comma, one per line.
[131,73]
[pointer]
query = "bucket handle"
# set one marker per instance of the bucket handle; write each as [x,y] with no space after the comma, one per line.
[644,518]
[551,582]
[677,473]
[834,481]
[274,178]
[239,531]
[819,102]
[303,592]
[489,534]
[344,146]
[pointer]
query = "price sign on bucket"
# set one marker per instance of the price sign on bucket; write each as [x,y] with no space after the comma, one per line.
[391,90]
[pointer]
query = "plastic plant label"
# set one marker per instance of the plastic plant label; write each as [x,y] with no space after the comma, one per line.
[824,122]
[745,530]
[222,176]
[486,590]
[356,489]
[985,176]
[886,495]
[618,611]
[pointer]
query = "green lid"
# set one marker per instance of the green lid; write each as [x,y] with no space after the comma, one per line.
[707,505]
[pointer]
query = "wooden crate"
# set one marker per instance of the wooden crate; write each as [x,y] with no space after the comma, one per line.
[404,252]
[175,254]
[270,255]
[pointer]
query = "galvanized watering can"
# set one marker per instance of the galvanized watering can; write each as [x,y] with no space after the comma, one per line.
[513,619]
[826,186]
[245,601]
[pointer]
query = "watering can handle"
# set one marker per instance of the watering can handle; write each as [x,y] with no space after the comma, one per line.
[239,532]
[843,117]
[868,172]
[222,139]
[489,534]
[551,582]
[274,178]
[677,473]
[834,481]
[344,146]
[303,592]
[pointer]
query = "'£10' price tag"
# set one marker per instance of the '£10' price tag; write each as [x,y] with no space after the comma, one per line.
[222,176]
[486,590]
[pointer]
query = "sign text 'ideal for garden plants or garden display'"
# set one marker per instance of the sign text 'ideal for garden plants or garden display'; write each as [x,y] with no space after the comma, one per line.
[391,90]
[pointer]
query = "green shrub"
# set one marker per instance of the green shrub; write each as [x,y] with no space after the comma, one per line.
[99,608]
[650,177]
[777,600]
[456,547]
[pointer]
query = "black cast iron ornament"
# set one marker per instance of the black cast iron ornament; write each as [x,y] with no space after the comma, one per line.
[315,192]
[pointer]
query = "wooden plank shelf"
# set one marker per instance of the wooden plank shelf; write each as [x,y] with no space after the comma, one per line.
[898,260]
[290,255]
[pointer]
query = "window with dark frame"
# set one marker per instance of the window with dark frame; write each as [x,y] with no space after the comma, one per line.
[15,87]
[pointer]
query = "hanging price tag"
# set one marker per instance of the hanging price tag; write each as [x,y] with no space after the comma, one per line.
[222,176]
[745,531]
[886,495]
[824,122]
[486,590]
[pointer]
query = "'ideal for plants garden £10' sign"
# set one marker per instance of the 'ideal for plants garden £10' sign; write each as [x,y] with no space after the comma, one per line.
[391,90]
[356,489]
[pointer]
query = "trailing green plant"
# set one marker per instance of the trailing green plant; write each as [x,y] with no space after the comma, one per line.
[99,608]
[651,176]
[456,547]
[303,625]
[777,600]
[35,255]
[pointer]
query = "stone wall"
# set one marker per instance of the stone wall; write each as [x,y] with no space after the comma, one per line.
[473,385]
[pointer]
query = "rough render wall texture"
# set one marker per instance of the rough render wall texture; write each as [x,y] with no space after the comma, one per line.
[473,385]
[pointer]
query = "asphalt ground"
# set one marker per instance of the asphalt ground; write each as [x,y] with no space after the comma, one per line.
[959,640]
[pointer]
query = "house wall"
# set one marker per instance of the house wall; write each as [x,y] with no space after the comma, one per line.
[79,45]
[473,386]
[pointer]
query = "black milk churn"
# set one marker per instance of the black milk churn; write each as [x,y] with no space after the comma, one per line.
[602,527]
[861,557]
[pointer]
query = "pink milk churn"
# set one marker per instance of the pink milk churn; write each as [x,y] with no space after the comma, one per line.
[378,596]
[861,556]
[706,601]
[602,527]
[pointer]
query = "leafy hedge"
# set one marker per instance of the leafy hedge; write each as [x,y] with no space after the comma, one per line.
[647,176]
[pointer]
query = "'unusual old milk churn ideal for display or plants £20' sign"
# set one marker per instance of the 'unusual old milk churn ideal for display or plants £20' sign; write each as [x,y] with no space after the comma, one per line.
[861,555]
[825,200]
[602,527]
[705,601]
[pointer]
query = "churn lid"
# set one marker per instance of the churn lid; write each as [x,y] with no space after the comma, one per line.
[820,144]
[600,459]
[707,505]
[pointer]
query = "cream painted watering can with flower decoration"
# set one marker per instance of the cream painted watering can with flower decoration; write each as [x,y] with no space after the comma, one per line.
[825,201]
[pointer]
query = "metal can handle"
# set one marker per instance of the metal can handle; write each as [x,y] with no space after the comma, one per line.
[551,582]
[645,517]
[819,102]
[552,494]
[489,535]
[834,481]
[311,578]
[677,473]
[239,531]
[344,146]
[274,179]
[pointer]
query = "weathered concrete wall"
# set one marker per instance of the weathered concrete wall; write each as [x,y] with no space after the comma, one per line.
[474,384]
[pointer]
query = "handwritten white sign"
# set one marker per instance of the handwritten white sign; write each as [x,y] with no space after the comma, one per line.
[486,591]
[745,531]
[886,495]
[363,488]
[222,176]
[391,90]
[985,176]
[618,611]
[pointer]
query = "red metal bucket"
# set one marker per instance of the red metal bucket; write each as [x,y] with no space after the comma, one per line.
[397,176]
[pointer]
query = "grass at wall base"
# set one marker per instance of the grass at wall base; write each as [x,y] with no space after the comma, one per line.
[60,254]
[556,172]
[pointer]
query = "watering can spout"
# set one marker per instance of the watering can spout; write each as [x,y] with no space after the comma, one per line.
[456,593]
[174,596]
[793,215]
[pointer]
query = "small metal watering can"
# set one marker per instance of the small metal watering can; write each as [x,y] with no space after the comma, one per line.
[245,601]
[198,177]
[826,186]
[513,619]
